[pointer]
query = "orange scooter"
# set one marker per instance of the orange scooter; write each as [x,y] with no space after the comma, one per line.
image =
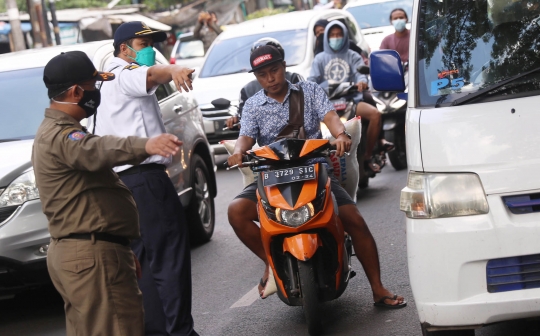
[306,246]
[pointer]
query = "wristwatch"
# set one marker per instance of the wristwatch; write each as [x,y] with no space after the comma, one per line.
[346,133]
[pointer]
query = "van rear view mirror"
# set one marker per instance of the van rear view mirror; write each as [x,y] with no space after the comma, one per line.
[386,71]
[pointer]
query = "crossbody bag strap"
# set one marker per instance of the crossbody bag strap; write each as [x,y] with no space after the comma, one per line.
[295,127]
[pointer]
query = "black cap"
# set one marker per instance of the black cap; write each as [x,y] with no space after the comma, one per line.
[264,56]
[128,30]
[68,69]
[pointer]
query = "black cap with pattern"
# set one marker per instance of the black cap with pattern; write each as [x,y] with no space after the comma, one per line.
[70,68]
[263,56]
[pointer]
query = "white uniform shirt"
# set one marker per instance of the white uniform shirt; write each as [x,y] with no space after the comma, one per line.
[127,108]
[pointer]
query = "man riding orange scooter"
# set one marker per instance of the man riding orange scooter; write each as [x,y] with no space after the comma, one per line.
[265,115]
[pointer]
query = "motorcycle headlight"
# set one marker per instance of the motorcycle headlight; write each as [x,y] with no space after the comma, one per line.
[21,190]
[296,217]
[443,195]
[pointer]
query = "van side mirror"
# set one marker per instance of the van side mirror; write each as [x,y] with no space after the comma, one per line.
[386,71]
[221,103]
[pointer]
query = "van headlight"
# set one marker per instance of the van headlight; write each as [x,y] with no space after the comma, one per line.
[430,195]
[21,190]
[296,217]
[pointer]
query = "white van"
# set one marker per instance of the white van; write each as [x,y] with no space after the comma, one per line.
[472,198]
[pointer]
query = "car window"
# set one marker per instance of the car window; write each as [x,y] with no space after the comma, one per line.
[21,117]
[232,55]
[162,92]
[378,14]
[190,49]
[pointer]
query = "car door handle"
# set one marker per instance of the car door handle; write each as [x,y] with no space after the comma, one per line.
[177,108]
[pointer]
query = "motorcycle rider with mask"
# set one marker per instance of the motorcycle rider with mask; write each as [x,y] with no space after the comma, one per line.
[253,87]
[129,107]
[399,41]
[339,64]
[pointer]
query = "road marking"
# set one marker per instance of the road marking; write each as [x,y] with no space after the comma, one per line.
[248,299]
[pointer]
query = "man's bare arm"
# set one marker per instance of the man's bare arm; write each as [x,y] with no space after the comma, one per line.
[243,144]
[161,74]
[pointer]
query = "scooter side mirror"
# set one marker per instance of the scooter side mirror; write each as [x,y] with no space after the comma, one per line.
[221,103]
[363,69]
[387,71]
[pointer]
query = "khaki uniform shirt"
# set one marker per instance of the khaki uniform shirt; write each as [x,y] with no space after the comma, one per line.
[79,191]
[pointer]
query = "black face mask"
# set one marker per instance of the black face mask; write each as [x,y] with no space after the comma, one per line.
[90,102]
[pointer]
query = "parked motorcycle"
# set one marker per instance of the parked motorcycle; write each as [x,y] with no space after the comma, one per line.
[393,107]
[306,246]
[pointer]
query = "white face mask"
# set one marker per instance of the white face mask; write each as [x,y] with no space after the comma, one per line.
[399,24]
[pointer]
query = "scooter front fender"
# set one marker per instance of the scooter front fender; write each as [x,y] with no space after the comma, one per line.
[302,246]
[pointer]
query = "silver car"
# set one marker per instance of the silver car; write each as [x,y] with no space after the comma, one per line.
[24,236]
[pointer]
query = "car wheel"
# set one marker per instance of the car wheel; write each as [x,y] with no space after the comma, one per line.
[201,211]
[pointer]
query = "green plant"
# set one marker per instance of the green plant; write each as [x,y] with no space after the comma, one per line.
[269,11]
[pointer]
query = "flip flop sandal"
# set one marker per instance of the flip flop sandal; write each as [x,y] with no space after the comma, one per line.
[368,168]
[269,285]
[382,304]
[388,147]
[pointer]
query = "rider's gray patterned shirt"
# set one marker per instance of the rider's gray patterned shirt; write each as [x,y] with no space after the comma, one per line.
[264,117]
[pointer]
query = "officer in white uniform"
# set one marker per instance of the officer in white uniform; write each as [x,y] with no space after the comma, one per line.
[129,107]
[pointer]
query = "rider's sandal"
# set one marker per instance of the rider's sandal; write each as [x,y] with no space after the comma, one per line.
[269,286]
[383,304]
[388,146]
[371,168]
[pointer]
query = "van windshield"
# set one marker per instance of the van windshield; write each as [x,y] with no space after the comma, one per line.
[465,46]
[24,99]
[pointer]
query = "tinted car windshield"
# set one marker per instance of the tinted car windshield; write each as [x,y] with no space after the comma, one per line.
[232,55]
[378,14]
[24,99]
[465,46]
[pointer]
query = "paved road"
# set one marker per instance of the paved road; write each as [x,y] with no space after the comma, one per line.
[225,273]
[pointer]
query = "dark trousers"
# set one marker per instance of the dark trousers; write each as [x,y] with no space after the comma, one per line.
[164,254]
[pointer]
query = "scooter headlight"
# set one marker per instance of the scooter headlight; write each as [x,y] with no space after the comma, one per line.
[295,218]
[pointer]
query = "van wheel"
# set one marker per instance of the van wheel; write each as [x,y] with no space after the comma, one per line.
[310,296]
[201,211]
[462,332]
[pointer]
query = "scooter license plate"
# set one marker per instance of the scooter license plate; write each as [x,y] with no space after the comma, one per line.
[295,174]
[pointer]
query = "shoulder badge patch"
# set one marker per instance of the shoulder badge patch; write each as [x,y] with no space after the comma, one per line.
[131,66]
[76,135]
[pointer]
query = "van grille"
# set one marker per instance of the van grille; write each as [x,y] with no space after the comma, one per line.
[514,273]
[523,204]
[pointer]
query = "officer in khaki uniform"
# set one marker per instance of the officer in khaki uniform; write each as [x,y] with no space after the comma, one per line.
[92,215]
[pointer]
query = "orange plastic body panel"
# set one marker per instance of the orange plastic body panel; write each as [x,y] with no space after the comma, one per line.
[311,145]
[325,219]
[265,152]
[308,193]
[302,246]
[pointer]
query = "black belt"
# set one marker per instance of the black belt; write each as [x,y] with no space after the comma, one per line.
[99,236]
[142,168]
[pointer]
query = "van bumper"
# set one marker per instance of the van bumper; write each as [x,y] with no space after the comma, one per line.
[447,261]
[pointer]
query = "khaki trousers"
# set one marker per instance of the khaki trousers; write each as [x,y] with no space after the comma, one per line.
[98,283]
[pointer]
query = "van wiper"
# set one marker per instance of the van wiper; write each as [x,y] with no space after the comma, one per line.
[8,140]
[472,96]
